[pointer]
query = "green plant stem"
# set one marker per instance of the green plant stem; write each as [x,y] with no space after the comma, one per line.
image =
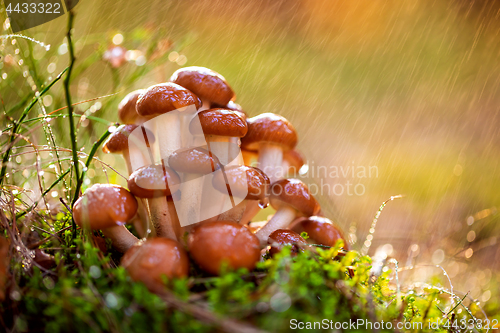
[67,80]
[17,125]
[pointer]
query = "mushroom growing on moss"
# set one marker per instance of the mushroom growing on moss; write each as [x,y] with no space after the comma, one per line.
[291,198]
[152,261]
[108,208]
[217,243]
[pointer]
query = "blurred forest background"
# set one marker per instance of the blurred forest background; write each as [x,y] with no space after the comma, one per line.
[411,87]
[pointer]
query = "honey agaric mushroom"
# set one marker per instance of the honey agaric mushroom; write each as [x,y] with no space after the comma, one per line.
[118,143]
[291,198]
[320,230]
[283,237]
[207,84]
[107,207]
[192,164]
[241,180]
[151,261]
[158,101]
[222,129]
[215,244]
[292,162]
[154,183]
[126,109]
[271,135]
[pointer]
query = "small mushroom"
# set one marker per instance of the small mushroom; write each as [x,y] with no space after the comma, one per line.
[155,183]
[134,157]
[207,84]
[107,207]
[192,164]
[218,243]
[244,184]
[320,230]
[118,143]
[271,135]
[151,261]
[126,109]
[291,198]
[283,237]
[222,129]
[157,101]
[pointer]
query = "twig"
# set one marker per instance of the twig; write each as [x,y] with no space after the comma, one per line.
[225,325]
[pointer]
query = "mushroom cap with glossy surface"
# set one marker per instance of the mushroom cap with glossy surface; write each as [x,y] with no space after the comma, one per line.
[269,128]
[320,230]
[205,83]
[149,262]
[165,97]
[221,122]
[217,243]
[126,109]
[235,107]
[193,160]
[153,181]
[119,139]
[243,179]
[104,206]
[294,193]
[282,237]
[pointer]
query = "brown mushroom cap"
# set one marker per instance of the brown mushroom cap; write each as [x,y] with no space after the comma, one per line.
[211,244]
[152,182]
[294,159]
[118,140]
[235,107]
[294,193]
[103,206]
[269,128]
[205,83]
[282,237]
[126,109]
[320,230]
[154,259]
[220,122]
[243,179]
[193,160]
[163,98]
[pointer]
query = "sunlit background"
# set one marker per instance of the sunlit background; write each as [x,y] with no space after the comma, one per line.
[409,88]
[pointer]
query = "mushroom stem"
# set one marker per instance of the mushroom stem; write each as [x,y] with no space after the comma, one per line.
[143,224]
[121,238]
[270,160]
[252,208]
[139,161]
[281,219]
[161,218]
[234,214]
[205,104]
[192,192]
[226,148]
[168,132]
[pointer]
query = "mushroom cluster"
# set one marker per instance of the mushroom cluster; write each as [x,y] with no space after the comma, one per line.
[192,154]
